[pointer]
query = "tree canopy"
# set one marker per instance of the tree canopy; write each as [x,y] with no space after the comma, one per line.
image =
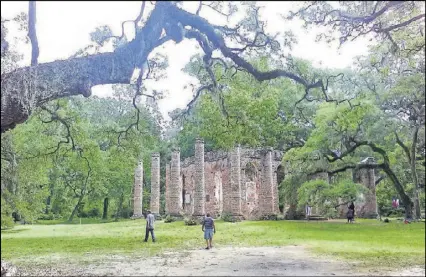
[251,91]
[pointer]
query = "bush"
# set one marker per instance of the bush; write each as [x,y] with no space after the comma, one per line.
[392,212]
[6,212]
[6,221]
[82,214]
[190,221]
[292,214]
[386,220]
[49,216]
[94,212]
[269,217]
[169,219]
[229,218]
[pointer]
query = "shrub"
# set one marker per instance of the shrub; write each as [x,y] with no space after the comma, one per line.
[269,217]
[49,216]
[6,221]
[190,221]
[229,218]
[94,212]
[169,219]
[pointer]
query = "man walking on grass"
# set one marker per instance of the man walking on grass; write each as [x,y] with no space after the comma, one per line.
[209,229]
[150,219]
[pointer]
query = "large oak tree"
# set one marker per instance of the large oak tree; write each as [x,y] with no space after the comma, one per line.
[26,88]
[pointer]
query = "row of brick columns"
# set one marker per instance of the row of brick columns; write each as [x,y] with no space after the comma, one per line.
[155,187]
[173,188]
[231,194]
[232,197]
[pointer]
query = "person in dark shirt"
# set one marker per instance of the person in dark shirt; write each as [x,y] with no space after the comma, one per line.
[351,212]
[209,229]
[350,215]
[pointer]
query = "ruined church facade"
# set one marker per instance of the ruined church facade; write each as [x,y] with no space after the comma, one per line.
[242,183]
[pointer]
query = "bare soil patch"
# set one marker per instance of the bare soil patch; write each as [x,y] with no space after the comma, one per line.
[224,261]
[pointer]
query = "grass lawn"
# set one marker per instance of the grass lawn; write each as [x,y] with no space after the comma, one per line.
[369,241]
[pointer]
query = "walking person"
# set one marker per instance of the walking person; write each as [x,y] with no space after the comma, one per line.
[350,216]
[351,212]
[150,219]
[308,210]
[209,229]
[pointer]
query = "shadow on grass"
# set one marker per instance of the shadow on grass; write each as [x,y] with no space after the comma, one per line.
[13,231]
[78,222]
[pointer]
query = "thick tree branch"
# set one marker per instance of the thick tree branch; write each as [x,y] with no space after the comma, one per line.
[32,34]
[28,87]
[402,24]
[404,147]
[381,178]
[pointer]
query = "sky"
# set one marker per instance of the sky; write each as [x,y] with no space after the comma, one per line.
[64,27]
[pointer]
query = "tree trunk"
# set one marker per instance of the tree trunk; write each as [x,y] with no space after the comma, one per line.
[105,213]
[120,207]
[48,200]
[76,208]
[408,204]
[398,186]
[414,174]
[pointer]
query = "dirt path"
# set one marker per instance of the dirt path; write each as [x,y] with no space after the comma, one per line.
[229,261]
[253,261]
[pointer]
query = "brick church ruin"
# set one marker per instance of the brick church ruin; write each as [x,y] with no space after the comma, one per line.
[242,183]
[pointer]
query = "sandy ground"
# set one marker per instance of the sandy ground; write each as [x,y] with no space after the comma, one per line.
[253,261]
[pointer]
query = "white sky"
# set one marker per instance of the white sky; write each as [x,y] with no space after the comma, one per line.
[64,27]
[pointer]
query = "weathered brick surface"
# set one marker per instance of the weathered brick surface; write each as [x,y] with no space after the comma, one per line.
[240,197]
[167,197]
[155,183]
[367,206]
[199,192]
[266,197]
[138,191]
[175,191]
[233,195]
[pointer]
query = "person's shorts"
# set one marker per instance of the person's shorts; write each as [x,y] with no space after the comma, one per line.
[208,233]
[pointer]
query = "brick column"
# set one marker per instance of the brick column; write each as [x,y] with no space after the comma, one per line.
[199,193]
[155,184]
[174,189]
[368,207]
[275,196]
[235,193]
[138,191]
[266,189]
[167,189]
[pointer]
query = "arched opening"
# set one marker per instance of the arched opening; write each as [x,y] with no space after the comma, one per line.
[280,178]
[251,186]
[218,192]
[250,171]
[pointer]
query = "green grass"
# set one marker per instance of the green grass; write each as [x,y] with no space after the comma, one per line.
[368,241]
[78,221]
